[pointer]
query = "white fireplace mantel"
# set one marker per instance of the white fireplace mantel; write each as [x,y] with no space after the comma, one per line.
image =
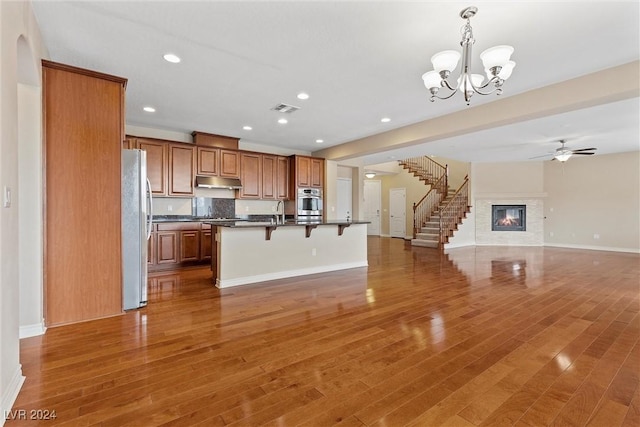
[500,196]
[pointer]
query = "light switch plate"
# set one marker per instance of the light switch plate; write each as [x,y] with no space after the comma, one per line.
[6,197]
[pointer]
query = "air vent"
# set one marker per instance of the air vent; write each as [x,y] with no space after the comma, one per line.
[285,108]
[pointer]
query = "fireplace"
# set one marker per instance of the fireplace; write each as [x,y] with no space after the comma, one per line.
[508,217]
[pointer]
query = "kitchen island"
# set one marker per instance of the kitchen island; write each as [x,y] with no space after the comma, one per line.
[251,252]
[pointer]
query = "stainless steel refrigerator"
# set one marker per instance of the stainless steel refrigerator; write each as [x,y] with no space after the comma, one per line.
[137,206]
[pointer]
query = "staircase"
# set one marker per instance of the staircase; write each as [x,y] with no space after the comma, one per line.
[429,234]
[437,215]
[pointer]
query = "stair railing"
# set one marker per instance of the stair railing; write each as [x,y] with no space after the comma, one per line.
[452,213]
[429,203]
[426,168]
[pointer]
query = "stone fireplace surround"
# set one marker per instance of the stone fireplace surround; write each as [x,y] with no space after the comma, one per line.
[534,234]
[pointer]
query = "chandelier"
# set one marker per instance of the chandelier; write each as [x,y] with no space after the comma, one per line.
[496,61]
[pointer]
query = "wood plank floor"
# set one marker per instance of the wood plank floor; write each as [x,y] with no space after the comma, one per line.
[486,336]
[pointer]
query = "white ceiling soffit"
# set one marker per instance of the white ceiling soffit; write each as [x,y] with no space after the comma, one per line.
[358,61]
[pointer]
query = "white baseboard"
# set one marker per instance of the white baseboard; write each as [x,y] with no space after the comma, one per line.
[286,274]
[34,330]
[593,248]
[10,393]
[459,245]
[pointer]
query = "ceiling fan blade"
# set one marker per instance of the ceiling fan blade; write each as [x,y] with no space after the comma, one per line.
[583,154]
[538,157]
[584,149]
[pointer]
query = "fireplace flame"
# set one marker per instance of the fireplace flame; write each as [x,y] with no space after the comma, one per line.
[508,221]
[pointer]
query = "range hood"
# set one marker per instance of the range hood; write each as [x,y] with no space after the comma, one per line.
[217,182]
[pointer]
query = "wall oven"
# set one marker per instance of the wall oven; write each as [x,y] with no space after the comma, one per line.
[309,203]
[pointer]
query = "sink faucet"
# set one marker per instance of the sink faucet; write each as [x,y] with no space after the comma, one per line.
[278,205]
[209,211]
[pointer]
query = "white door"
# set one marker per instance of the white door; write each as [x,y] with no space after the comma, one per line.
[397,212]
[372,202]
[345,210]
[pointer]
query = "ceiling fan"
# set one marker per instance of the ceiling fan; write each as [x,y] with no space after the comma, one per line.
[562,154]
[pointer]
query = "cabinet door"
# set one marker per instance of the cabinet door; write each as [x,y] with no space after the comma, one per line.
[181,170]
[282,178]
[129,143]
[151,246]
[205,244]
[156,164]
[251,174]
[317,173]
[303,171]
[269,176]
[208,161]
[167,247]
[189,245]
[229,164]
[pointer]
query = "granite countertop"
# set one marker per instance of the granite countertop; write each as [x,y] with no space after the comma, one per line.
[292,223]
[189,218]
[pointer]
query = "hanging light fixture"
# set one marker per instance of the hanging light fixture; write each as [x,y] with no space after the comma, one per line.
[370,174]
[496,61]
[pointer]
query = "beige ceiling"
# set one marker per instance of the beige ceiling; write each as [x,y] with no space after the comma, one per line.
[359,61]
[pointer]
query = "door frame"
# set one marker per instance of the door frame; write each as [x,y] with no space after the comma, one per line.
[378,183]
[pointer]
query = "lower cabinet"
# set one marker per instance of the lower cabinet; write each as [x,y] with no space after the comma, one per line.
[175,245]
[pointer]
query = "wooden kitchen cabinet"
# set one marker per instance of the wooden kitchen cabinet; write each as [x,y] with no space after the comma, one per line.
[307,172]
[151,247]
[189,246]
[167,247]
[207,161]
[83,133]
[205,242]
[181,169]
[157,157]
[317,172]
[179,244]
[282,178]
[250,175]
[268,185]
[229,164]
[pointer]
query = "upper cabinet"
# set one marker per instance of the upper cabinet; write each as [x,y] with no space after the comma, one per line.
[308,172]
[269,176]
[229,164]
[181,169]
[251,176]
[157,158]
[282,178]
[208,161]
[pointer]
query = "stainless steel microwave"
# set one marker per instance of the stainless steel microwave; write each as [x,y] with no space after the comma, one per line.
[309,202]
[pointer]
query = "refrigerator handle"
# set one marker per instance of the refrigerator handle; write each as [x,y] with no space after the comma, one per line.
[150,212]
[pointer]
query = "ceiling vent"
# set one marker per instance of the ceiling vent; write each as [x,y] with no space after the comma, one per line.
[285,108]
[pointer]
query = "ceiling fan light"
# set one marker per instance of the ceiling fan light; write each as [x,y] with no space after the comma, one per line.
[447,60]
[563,156]
[496,56]
[431,79]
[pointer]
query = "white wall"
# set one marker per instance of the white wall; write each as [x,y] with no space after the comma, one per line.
[288,253]
[594,202]
[16,19]
[31,211]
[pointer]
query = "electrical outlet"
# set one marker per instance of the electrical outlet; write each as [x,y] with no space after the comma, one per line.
[313,252]
[273,208]
[246,208]
[551,234]
[596,236]
[169,208]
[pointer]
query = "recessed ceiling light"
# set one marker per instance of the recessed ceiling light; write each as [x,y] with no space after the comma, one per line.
[319,141]
[170,57]
[283,121]
[303,95]
[385,120]
[247,127]
[149,109]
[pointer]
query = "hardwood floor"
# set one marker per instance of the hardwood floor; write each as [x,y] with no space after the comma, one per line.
[485,336]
